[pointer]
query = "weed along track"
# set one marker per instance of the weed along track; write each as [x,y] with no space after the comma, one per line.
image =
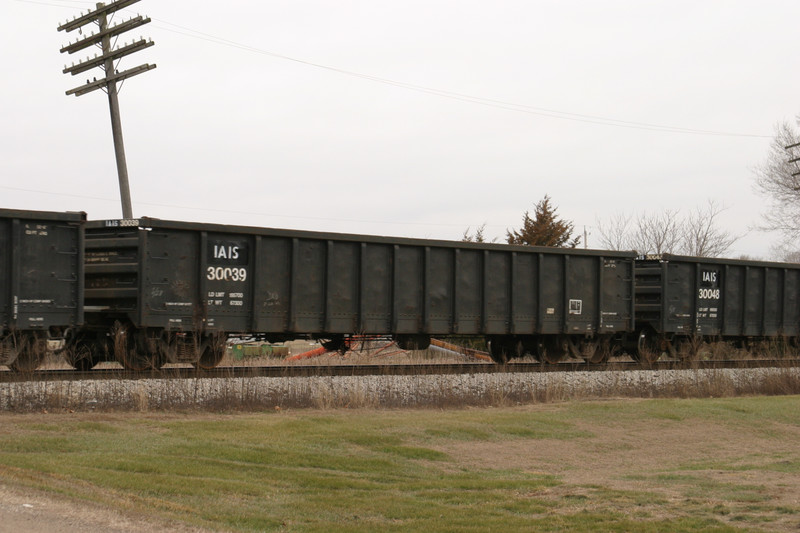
[388,386]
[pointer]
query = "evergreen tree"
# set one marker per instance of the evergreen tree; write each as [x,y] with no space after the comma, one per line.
[544,228]
[478,237]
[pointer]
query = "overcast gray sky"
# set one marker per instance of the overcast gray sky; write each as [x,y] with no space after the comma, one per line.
[413,118]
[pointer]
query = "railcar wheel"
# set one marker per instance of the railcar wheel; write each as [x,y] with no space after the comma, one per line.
[504,348]
[498,351]
[135,351]
[595,353]
[213,352]
[413,342]
[31,352]
[84,354]
[552,348]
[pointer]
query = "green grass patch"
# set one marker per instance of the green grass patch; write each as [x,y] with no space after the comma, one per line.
[411,470]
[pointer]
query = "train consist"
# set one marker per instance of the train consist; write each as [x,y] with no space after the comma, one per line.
[147,292]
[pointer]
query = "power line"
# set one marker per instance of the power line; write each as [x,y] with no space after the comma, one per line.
[463,97]
[511,106]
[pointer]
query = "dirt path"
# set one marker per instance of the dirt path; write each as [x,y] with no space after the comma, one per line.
[35,512]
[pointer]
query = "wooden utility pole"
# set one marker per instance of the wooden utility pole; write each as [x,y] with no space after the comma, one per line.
[108,83]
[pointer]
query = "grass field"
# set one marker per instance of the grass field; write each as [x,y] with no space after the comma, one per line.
[632,465]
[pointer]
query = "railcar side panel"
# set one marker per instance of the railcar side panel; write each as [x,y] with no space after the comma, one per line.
[790,314]
[41,269]
[496,292]
[169,296]
[615,306]
[6,258]
[773,301]
[582,294]
[439,283]
[551,293]
[378,284]
[524,295]
[341,296]
[468,292]
[407,289]
[224,282]
[272,273]
[754,301]
[308,285]
[733,301]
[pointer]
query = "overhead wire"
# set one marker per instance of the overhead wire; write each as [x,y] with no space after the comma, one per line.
[442,93]
[511,106]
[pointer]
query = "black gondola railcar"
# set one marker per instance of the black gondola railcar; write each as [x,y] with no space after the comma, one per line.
[164,291]
[41,282]
[682,301]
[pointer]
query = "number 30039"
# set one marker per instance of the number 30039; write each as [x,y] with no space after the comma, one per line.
[226,274]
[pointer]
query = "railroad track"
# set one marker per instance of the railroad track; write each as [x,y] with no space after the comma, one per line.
[293,371]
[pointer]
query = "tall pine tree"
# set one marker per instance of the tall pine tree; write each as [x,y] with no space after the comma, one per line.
[544,229]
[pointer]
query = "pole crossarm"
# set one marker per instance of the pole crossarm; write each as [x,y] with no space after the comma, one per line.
[110,75]
[103,82]
[92,16]
[97,38]
[115,54]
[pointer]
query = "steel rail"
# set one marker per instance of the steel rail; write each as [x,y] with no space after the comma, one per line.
[296,371]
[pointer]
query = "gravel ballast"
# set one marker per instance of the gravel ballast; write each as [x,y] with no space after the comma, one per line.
[389,391]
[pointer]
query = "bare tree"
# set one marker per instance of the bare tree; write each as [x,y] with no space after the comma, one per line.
[669,232]
[701,236]
[774,180]
[615,233]
[792,257]
[658,233]
[785,251]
